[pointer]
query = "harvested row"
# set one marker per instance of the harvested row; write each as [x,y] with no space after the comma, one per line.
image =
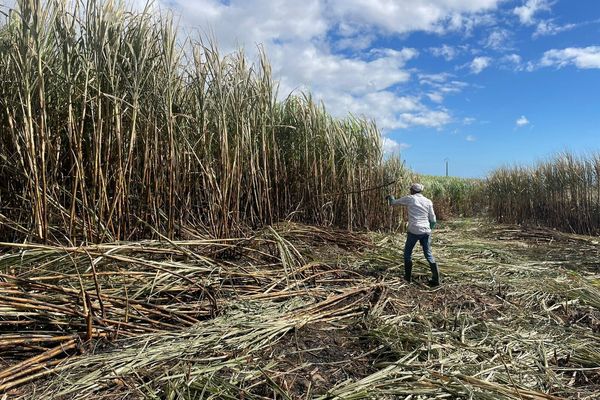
[308,312]
[57,300]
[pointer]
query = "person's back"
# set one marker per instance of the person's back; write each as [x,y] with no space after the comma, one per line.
[421,219]
[420,213]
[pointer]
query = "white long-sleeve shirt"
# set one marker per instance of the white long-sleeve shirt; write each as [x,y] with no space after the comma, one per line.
[420,212]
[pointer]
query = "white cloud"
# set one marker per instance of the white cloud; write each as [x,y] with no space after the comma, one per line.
[442,82]
[448,52]
[581,57]
[513,62]
[513,58]
[7,4]
[304,56]
[440,85]
[433,79]
[310,67]
[479,64]
[436,97]
[531,66]
[527,11]
[549,28]
[390,110]
[498,39]
[390,146]
[470,138]
[468,120]
[428,118]
[453,86]
[363,88]
[468,22]
[406,16]
[252,22]
[522,121]
[359,42]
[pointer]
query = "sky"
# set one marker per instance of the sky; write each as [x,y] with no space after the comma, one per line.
[477,83]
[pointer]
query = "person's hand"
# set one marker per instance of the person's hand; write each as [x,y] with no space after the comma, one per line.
[432,225]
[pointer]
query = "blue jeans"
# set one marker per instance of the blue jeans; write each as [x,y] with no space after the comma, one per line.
[411,241]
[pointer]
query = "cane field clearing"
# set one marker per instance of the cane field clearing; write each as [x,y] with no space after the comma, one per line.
[297,312]
[172,227]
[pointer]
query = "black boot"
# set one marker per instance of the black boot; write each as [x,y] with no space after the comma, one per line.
[435,275]
[408,271]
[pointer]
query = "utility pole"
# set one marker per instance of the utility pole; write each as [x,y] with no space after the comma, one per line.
[446,161]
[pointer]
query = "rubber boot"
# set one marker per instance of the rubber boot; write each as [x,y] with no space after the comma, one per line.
[408,271]
[435,275]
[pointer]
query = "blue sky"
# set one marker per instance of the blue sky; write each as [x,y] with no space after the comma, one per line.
[551,90]
[482,83]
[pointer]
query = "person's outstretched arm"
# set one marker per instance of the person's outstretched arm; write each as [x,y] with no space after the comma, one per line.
[402,201]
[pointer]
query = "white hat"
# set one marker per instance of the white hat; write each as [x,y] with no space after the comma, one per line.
[417,187]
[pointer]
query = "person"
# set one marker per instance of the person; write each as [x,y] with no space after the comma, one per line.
[421,220]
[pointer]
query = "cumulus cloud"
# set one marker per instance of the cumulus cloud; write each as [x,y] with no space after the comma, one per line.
[364,88]
[470,138]
[320,46]
[522,121]
[479,64]
[309,67]
[428,118]
[391,111]
[391,146]
[581,57]
[247,23]
[527,11]
[419,15]
[260,20]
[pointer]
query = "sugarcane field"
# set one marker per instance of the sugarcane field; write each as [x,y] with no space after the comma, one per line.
[299,200]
